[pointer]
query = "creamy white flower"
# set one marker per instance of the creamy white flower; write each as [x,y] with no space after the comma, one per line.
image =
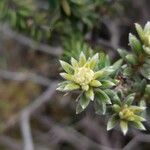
[83,76]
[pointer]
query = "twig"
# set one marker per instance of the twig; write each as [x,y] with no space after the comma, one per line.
[45,97]
[106,43]
[24,40]
[26,132]
[9,143]
[135,140]
[23,76]
[113,28]
[112,51]
[25,116]
[92,126]
[70,134]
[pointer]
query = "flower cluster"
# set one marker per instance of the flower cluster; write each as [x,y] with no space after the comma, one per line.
[121,90]
[84,75]
[124,113]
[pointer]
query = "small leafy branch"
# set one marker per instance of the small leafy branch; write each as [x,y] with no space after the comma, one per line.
[120,90]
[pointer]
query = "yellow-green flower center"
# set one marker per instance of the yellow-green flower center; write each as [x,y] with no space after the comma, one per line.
[83,76]
[126,114]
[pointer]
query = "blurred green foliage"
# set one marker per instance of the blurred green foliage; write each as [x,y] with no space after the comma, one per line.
[40,20]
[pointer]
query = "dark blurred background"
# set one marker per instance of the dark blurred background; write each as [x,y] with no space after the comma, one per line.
[34,35]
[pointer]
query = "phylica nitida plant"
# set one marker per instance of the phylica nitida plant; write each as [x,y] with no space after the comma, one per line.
[120,90]
[91,77]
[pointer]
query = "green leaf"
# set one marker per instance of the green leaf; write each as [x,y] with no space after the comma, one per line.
[140,85]
[62,85]
[147,50]
[66,7]
[84,101]
[104,72]
[107,84]
[137,109]
[74,63]
[124,126]
[138,118]
[135,44]
[67,67]
[95,83]
[100,108]
[139,30]
[103,108]
[79,109]
[102,97]
[120,94]
[122,53]
[128,71]
[102,60]
[145,71]
[116,99]
[85,87]
[107,61]
[117,64]
[112,122]
[147,89]
[108,70]
[78,98]
[90,94]
[99,74]
[129,99]
[66,76]
[71,86]
[132,59]
[116,108]
[142,103]
[24,13]
[139,125]
[82,59]
[93,61]
[147,28]
[109,92]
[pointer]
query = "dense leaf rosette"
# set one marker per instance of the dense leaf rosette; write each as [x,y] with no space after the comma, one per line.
[139,60]
[124,113]
[84,75]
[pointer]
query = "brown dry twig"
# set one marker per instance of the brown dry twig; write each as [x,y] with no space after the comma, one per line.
[24,76]
[27,112]
[26,41]
[9,143]
[139,138]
